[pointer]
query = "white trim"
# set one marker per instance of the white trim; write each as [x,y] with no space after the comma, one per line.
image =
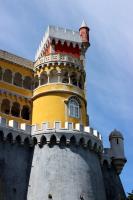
[59,122]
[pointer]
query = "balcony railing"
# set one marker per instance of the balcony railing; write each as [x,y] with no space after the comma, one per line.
[59,58]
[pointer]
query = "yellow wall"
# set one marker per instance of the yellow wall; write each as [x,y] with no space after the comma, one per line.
[52,107]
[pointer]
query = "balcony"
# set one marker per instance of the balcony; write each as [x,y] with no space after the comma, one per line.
[59,58]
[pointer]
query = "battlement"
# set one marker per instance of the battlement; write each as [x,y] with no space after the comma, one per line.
[69,127]
[12,124]
[61,34]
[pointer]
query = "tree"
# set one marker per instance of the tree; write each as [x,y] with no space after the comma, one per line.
[130,196]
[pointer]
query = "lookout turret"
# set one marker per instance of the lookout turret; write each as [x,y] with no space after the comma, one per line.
[117,150]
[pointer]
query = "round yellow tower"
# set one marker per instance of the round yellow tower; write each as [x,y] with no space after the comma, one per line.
[59,79]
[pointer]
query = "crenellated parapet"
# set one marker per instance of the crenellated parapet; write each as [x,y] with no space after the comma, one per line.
[22,133]
[66,138]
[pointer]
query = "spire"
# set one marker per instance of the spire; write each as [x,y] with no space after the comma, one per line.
[84,25]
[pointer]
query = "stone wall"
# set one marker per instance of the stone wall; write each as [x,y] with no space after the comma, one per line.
[15,165]
[65,172]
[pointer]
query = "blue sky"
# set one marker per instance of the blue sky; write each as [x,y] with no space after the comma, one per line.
[109,59]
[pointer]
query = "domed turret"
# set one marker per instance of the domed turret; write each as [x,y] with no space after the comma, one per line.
[117,150]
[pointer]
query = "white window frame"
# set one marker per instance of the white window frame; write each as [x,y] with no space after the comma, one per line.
[74,108]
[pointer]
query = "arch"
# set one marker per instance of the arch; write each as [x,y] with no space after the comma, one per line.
[18,139]
[52,140]
[73,108]
[53,77]
[9,137]
[25,112]
[1,73]
[82,142]
[43,78]
[7,76]
[34,140]
[5,106]
[64,76]
[95,147]
[73,78]
[100,149]
[89,144]
[26,141]
[73,140]
[17,79]
[27,82]
[43,141]
[105,163]
[15,110]
[81,83]
[62,140]
[36,81]
[1,136]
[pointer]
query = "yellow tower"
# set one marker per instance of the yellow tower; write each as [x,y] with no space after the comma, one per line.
[59,89]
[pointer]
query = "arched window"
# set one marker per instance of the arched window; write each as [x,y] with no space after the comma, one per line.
[36,81]
[5,106]
[53,78]
[25,113]
[7,76]
[27,83]
[15,111]
[43,78]
[0,73]
[17,79]
[74,108]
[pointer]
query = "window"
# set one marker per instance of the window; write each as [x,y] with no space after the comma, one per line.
[74,110]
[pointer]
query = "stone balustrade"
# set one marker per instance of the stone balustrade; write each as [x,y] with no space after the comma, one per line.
[59,58]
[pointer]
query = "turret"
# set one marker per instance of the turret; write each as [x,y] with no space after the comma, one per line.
[117,150]
[84,34]
[59,87]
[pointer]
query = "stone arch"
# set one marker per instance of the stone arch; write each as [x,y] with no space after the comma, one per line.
[53,77]
[1,73]
[43,141]
[26,141]
[73,140]
[7,76]
[63,141]
[27,82]
[89,144]
[105,163]
[15,110]
[73,78]
[43,78]
[52,140]
[36,81]
[9,137]
[17,80]
[81,83]
[25,112]
[100,148]
[5,106]
[34,140]
[64,76]
[95,147]
[1,136]
[82,142]
[18,139]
